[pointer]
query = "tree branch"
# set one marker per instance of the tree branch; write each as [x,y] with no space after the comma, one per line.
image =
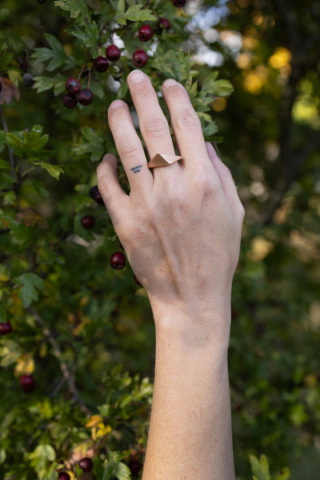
[284,183]
[67,375]
[291,31]
[11,157]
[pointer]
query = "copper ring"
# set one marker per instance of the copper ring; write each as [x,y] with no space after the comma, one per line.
[163,160]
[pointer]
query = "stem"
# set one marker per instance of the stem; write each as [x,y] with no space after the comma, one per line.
[11,157]
[67,375]
[81,71]
[146,4]
[89,78]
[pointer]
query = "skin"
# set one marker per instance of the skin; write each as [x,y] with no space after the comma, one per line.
[180,227]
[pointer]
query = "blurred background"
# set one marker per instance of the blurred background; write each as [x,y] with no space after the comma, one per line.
[270,124]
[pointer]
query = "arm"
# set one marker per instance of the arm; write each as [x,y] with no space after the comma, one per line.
[190,428]
[181,229]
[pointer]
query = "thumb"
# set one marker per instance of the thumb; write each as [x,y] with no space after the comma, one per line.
[115,199]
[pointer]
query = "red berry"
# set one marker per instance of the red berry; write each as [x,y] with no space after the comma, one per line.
[145,33]
[96,195]
[85,96]
[140,58]
[137,281]
[179,3]
[27,383]
[88,221]
[64,476]
[73,86]
[113,53]
[101,64]
[86,464]
[69,101]
[118,260]
[164,24]
[5,328]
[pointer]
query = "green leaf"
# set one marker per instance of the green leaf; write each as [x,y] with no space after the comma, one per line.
[56,54]
[210,129]
[284,474]
[260,469]
[41,457]
[209,81]
[121,6]
[222,88]
[92,144]
[97,90]
[135,13]
[122,471]
[53,170]
[15,142]
[44,83]
[89,37]
[122,92]
[9,198]
[33,140]
[30,283]
[3,455]
[74,7]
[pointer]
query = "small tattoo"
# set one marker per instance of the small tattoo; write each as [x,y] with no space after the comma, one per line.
[136,169]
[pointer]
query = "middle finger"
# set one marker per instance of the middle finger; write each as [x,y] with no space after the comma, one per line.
[153,124]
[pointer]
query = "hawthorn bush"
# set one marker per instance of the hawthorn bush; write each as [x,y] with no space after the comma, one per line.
[76,327]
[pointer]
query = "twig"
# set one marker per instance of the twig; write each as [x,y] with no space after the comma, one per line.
[69,378]
[11,157]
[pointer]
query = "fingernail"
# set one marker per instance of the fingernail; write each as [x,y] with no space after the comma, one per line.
[212,149]
[116,104]
[169,83]
[136,76]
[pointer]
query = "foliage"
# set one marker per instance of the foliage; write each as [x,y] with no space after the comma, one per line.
[86,331]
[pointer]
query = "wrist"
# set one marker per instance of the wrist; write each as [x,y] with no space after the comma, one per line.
[194,324]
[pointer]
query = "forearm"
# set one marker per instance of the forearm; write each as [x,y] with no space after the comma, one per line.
[190,426]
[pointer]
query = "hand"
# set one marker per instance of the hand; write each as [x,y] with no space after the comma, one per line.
[181,224]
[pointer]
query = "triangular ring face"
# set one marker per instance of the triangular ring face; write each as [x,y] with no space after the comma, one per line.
[163,160]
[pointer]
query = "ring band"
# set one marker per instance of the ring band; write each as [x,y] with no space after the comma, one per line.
[163,160]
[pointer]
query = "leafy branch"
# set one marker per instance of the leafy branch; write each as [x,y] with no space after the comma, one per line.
[67,374]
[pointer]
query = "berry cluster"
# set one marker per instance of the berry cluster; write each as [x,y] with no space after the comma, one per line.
[139,58]
[75,94]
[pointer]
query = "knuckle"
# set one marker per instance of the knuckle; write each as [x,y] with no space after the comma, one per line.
[205,183]
[156,127]
[141,92]
[127,149]
[187,120]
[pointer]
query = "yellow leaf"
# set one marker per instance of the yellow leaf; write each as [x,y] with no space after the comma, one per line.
[78,329]
[94,420]
[25,364]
